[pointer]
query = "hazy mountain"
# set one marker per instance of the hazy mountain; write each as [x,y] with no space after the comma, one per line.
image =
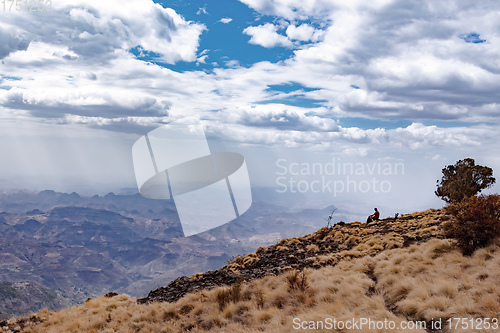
[25,297]
[88,246]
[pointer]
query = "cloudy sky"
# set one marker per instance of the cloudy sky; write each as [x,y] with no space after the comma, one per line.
[309,81]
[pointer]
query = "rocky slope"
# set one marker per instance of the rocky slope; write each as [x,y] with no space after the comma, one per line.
[402,272]
[325,247]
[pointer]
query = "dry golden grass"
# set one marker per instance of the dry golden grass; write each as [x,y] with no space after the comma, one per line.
[376,277]
[312,248]
[392,285]
[282,248]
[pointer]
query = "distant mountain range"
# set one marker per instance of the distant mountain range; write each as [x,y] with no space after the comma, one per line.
[77,247]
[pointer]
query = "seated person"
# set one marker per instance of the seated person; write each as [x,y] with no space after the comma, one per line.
[374,217]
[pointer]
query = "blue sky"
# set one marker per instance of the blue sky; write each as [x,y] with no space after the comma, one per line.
[225,41]
[397,80]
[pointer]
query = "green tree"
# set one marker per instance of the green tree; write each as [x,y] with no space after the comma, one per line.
[463,179]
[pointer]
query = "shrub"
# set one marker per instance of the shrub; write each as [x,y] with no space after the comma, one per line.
[475,222]
[463,179]
[225,295]
[235,290]
[312,248]
[259,298]
[297,280]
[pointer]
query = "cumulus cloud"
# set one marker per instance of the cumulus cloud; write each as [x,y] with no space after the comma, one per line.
[303,33]
[11,41]
[375,79]
[356,141]
[79,62]
[96,29]
[267,35]
[282,34]
[408,62]
[289,9]
[306,9]
[281,117]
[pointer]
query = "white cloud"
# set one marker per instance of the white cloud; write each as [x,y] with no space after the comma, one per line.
[412,69]
[303,33]
[416,137]
[232,63]
[408,62]
[202,10]
[283,34]
[202,59]
[226,20]
[96,29]
[306,9]
[289,9]
[11,41]
[281,117]
[267,35]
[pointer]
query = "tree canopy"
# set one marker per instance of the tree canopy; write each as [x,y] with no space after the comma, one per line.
[463,179]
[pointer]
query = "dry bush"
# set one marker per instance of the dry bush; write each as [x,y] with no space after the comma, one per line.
[297,280]
[260,249]
[338,236]
[259,298]
[476,222]
[234,267]
[196,276]
[235,290]
[223,296]
[249,260]
[437,248]
[312,248]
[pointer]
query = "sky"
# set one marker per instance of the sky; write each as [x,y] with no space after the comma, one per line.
[387,92]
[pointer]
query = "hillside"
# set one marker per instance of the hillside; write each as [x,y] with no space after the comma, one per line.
[27,297]
[395,270]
